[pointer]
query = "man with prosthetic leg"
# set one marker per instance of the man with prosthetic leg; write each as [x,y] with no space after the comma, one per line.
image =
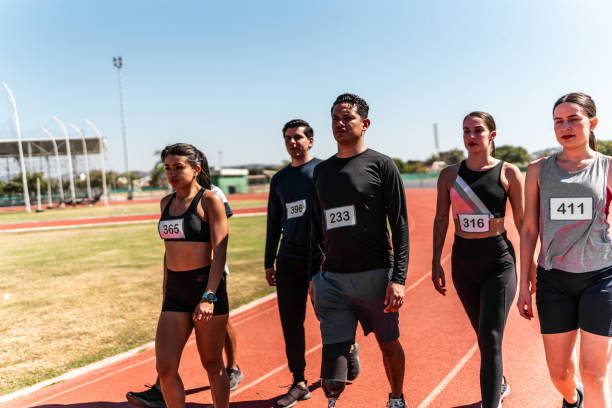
[355,193]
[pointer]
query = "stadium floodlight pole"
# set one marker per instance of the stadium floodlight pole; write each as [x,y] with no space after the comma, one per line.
[118,63]
[104,190]
[26,194]
[76,129]
[57,162]
[436,142]
[70,171]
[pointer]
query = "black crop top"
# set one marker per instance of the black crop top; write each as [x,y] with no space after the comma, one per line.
[485,185]
[185,227]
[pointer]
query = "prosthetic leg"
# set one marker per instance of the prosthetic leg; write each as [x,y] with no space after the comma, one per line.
[334,368]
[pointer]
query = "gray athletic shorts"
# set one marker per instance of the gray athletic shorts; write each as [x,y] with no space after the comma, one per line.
[343,299]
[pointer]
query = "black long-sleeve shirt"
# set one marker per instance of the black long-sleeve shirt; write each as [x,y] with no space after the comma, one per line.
[289,208]
[352,200]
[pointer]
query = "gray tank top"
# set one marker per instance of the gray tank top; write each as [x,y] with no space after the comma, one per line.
[573,222]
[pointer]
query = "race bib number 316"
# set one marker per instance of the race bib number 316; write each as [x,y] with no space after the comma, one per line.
[571,208]
[296,209]
[474,222]
[340,217]
[172,229]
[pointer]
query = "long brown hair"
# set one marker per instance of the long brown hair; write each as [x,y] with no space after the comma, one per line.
[489,122]
[588,106]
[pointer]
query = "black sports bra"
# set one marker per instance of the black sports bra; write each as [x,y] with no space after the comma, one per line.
[474,189]
[185,227]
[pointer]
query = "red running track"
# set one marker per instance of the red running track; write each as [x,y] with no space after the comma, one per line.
[442,362]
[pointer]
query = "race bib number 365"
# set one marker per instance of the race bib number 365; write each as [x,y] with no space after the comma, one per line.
[474,222]
[296,209]
[172,229]
[572,208]
[340,217]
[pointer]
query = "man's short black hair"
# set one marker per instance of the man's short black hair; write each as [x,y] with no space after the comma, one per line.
[360,105]
[295,123]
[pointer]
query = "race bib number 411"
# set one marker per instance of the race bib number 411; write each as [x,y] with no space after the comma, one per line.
[571,208]
[474,222]
[172,229]
[296,209]
[340,217]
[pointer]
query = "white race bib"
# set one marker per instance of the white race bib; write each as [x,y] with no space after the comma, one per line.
[572,208]
[296,209]
[172,229]
[340,217]
[474,222]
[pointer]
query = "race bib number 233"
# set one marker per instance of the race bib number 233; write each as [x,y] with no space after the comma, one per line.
[340,217]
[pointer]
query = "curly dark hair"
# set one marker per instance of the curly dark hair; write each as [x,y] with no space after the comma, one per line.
[295,123]
[360,105]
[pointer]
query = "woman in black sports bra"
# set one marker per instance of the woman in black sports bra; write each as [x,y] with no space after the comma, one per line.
[483,260]
[193,226]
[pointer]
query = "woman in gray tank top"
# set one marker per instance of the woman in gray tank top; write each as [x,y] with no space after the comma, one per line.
[567,197]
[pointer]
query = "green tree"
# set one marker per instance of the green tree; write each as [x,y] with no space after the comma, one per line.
[449,157]
[512,154]
[605,147]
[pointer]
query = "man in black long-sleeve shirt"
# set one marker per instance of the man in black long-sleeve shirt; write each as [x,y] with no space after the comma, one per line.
[355,192]
[289,208]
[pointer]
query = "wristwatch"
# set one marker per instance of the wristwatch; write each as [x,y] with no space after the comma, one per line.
[210,297]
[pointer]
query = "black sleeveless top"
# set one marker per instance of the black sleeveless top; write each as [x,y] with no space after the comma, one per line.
[185,227]
[487,186]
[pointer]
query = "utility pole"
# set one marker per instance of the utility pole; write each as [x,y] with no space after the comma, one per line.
[118,63]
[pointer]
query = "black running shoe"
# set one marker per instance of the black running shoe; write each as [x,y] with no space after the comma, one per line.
[151,398]
[505,388]
[353,363]
[579,401]
[296,393]
[235,376]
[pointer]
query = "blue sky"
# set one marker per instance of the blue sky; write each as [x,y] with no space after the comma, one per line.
[226,76]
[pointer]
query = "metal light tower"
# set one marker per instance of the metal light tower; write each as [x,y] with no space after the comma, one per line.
[26,194]
[118,63]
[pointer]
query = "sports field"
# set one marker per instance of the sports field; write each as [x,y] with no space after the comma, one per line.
[441,351]
[72,297]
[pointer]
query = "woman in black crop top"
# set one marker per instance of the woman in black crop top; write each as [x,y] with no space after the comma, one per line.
[194,227]
[483,261]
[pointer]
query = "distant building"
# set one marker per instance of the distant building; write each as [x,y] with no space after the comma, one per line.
[231,181]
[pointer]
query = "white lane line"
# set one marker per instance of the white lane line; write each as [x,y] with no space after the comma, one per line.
[107,223]
[271,373]
[436,391]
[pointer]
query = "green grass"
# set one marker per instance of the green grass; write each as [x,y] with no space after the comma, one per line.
[71,297]
[101,211]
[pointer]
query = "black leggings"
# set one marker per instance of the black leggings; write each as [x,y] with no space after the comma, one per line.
[292,289]
[484,275]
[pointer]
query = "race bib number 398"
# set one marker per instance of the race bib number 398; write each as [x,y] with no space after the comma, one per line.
[474,222]
[571,208]
[172,229]
[296,209]
[340,217]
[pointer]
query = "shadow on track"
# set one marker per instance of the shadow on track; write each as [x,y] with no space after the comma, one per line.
[269,403]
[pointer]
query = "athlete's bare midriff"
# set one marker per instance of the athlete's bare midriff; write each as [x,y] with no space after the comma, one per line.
[187,256]
[496,227]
